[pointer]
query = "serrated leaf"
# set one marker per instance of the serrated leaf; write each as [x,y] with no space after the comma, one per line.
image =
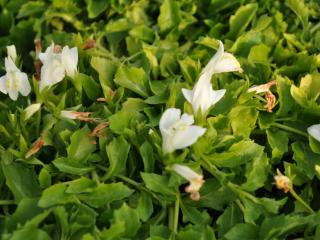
[241,19]
[134,79]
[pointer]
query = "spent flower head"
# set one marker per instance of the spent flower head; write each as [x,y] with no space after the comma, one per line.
[196,180]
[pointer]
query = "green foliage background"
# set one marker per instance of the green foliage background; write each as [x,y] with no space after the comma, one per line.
[116,186]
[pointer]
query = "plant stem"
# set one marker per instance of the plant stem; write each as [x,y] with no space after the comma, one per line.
[300,200]
[290,129]
[176,214]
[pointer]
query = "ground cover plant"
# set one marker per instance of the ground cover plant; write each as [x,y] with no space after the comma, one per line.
[160,119]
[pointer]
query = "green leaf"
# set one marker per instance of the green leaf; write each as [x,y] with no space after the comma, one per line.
[280,226]
[257,173]
[243,231]
[105,193]
[278,141]
[90,87]
[26,210]
[20,178]
[30,232]
[31,8]
[145,206]
[96,7]
[106,69]
[239,153]
[229,218]
[81,185]
[300,9]
[81,145]
[169,15]
[158,183]
[71,166]
[147,154]
[130,218]
[241,114]
[143,33]
[241,19]
[54,195]
[117,152]
[259,53]
[286,102]
[122,120]
[114,232]
[134,79]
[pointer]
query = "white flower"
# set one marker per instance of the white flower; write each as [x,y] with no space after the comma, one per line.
[202,96]
[12,53]
[14,81]
[314,131]
[70,60]
[56,65]
[177,131]
[30,110]
[195,179]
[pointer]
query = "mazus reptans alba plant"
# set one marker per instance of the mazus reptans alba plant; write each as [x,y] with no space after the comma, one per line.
[177,131]
[202,96]
[14,81]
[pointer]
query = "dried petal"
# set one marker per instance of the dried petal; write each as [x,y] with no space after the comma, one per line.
[35,148]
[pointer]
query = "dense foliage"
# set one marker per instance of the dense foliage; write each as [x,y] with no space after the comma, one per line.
[103,174]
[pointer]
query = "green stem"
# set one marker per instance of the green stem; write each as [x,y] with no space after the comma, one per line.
[7,202]
[176,214]
[300,200]
[38,123]
[290,129]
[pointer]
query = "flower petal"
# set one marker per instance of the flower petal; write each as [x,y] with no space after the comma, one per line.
[210,68]
[186,172]
[25,87]
[31,109]
[51,73]
[227,63]
[12,53]
[44,57]
[168,118]
[13,94]
[314,131]
[216,95]
[183,139]
[188,94]
[10,65]
[187,119]
[3,87]
[69,59]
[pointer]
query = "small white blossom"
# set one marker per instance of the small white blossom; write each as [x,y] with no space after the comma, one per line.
[12,52]
[32,109]
[202,96]
[177,131]
[69,59]
[195,179]
[314,131]
[14,81]
[57,65]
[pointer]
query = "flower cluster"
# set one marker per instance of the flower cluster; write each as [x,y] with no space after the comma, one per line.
[178,131]
[56,65]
